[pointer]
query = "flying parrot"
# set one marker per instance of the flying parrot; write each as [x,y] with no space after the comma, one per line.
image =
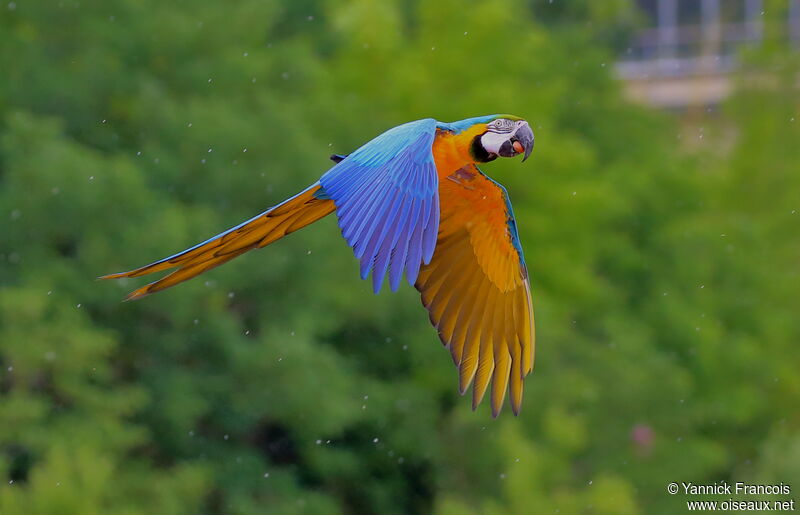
[413,200]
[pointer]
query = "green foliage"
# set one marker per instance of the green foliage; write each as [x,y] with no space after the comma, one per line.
[665,283]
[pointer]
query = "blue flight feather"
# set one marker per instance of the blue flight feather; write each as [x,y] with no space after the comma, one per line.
[387,201]
[399,247]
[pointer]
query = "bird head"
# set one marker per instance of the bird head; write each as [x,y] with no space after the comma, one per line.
[505,136]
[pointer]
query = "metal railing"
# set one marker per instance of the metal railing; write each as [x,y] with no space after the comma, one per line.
[713,37]
[674,65]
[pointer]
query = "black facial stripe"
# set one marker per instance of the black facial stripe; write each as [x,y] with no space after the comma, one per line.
[478,152]
[502,125]
[500,130]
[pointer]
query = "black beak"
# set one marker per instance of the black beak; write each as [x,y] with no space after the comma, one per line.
[524,135]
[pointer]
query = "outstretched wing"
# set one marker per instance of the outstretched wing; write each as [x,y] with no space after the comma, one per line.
[476,288]
[386,197]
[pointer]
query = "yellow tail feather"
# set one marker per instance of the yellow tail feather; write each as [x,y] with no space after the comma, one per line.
[271,225]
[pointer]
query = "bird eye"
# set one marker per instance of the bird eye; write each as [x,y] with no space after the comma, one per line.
[502,125]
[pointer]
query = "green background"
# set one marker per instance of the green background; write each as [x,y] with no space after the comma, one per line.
[663,251]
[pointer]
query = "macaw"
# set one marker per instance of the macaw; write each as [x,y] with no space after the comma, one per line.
[413,200]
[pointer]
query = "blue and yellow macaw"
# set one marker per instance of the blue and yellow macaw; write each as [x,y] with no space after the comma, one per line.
[413,200]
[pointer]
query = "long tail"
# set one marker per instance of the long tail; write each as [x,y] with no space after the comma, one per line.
[276,222]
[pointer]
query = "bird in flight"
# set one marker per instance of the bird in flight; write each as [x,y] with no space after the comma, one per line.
[413,200]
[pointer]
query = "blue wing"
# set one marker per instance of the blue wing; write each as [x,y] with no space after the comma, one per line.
[387,201]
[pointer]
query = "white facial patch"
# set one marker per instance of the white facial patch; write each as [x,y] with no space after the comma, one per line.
[492,141]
